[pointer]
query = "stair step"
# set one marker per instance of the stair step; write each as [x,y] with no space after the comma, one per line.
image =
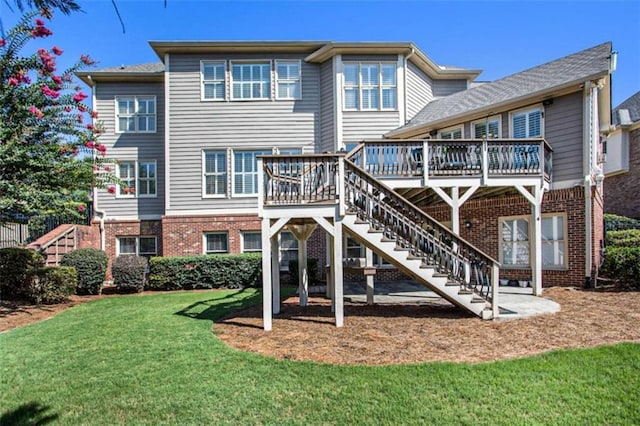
[427,266]
[359,221]
[400,248]
[452,283]
[388,240]
[465,291]
[414,257]
[375,231]
[477,300]
[441,275]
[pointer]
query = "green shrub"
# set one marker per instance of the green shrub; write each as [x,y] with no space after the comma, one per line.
[129,273]
[205,271]
[614,222]
[16,267]
[624,238]
[623,265]
[312,271]
[91,265]
[53,285]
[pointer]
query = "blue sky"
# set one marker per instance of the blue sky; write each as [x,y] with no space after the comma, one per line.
[500,38]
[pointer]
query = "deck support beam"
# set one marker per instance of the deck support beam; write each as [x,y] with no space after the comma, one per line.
[267,296]
[302,234]
[338,296]
[455,201]
[369,265]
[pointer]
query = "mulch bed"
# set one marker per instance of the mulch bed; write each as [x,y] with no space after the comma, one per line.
[399,334]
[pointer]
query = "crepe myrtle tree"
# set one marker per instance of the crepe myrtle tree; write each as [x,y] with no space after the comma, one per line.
[50,158]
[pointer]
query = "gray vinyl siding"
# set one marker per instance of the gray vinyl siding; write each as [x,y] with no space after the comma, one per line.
[198,125]
[563,127]
[359,125]
[327,100]
[448,87]
[419,91]
[131,146]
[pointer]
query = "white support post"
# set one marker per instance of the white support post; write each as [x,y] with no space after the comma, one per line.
[341,185]
[331,281]
[327,269]
[303,273]
[267,302]
[485,161]
[275,273]
[370,285]
[495,290]
[425,162]
[455,211]
[536,270]
[337,269]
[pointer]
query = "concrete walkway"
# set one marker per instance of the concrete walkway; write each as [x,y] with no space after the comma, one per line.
[513,304]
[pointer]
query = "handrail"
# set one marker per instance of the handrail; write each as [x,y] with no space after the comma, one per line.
[57,238]
[418,232]
[426,158]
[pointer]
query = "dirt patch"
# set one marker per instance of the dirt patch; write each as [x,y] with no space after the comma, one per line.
[398,334]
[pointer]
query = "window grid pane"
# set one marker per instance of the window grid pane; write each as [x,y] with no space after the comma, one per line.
[288,249]
[515,242]
[127,176]
[251,242]
[288,79]
[127,245]
[137,114]
[245,174]
[216,243]
[215,172]
[147,179]
[147,246]
[251,81]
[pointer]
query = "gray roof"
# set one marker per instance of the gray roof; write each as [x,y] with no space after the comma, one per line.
[552,75]
[138,68]
[632,114]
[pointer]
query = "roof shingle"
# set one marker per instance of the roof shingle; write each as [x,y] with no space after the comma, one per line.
[632,105]
[573,68]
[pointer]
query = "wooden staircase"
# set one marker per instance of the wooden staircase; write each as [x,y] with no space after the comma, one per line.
[55,244]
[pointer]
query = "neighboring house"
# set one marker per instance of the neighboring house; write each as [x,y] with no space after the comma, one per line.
[187,133]
[622,166]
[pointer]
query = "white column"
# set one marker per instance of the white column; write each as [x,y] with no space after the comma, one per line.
[275,273]
[536,255]
[337,269]
[327,269]
[495,290]
[303,273]
[331,280]
[267,302]
[370,284]
[455,211]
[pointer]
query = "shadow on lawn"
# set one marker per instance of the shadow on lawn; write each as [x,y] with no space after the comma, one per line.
[30,414]
[216,308]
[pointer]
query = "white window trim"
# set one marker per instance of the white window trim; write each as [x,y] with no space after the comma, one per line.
[234,194]
[204,241]
[452,129]
[285,268]
[137,238]
[529,241]
[242,247]
[136,164]
[527,110]
[380,86]
[484,121]
[277,79]
[135,114]
[203,175]
[202,81]
[251,62]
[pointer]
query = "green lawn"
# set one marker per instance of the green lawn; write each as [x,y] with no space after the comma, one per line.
[153,360]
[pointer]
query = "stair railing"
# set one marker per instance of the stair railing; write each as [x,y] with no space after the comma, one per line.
[417,232]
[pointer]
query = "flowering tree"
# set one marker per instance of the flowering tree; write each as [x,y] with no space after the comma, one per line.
[50,159]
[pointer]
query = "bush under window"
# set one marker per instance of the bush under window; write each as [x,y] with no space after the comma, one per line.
[91,265]
[129,273]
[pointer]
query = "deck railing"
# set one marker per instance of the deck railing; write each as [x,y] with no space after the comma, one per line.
[299,179]
[414,230]
[468,157]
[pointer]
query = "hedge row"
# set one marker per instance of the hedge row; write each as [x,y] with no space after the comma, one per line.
[623,264]
[624,238]
[23,277]
[205,271]
[614,222]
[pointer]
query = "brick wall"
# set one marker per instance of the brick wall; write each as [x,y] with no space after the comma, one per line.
[183,235]
[621,191]
[129,228]
[483,216]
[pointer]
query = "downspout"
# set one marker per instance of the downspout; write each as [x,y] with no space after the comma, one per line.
[96,211]
[406,64]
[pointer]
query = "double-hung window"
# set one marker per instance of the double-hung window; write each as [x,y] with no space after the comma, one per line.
[213,80]
[288,80]
[215,173]
[250,81]
[370,86]
[251,242]
[526,124]
[136,114]
[288,249]
[451,133]
[245,171]
[489,128]
[140,246]
[216,242]
[516,244]
[137,178]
